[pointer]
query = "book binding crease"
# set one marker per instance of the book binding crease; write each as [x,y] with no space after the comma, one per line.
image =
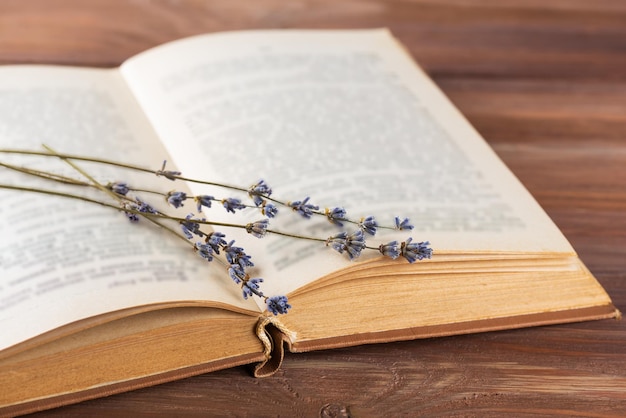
[273,335]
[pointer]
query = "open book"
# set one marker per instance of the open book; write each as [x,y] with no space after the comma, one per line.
[91,305]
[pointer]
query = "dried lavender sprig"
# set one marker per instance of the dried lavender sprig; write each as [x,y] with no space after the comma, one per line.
[184,221]
[276,304]
[338,216]
[353,244]
[260,192]
[149,215]
[177,198]
[249,286]
[122,189]
[238,262]
[162,172]
[190,226]
[391,250]
[117,191]
[141,211]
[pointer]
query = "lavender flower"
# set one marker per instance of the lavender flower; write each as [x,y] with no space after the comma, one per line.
[391,249]
[231,204]
[232,252]
[244,260]
[139,206]
[239,261]
[416,251]
[170,175]
[258,191]
[303,208]
[278,305]
[204,250]
[143,207]
[203,200]
[258,228]
[251,286]
[176,199]
[403,225]
[336,215]
[120,188]
[237,273]
[216,241]
[337,241]
[236,255]
[353,244]
[269,209]
[368,225]
[133,217]
[191,228]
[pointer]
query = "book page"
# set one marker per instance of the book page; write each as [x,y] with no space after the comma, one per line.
[344,117]
[62,260]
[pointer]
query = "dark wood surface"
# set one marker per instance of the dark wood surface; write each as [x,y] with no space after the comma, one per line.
[543,81]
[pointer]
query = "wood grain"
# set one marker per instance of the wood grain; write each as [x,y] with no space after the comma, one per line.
[543,81]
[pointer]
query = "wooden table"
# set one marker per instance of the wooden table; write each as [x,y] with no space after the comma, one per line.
[543,81]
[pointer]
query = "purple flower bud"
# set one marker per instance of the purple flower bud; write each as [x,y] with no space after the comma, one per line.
[391,249]
[176,199]
[269,209]
[203,200]
[258,228]
[120,188]
[336,215]
[278,305]
[416,251]
[403,225]
[250,287]
[303,208]
[231,204]
[258,191]
[368,225]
